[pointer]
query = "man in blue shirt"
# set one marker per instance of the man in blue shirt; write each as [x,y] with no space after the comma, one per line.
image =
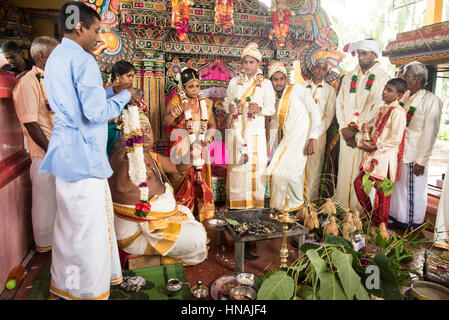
[85,258]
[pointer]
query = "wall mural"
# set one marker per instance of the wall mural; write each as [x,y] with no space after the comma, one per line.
[117,43]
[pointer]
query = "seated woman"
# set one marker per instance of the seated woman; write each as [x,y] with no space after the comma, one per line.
[190,116]
[122,76]
[157,226]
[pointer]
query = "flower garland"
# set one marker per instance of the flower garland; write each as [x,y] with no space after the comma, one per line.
[310,86]
[236,116]
[353,85]
[224,13]
[417,100]
[40,79]
[239,111]
[198,162]
[280,28]
[180,17]
[353,126]
[137,169]
[410,114]
[368,85]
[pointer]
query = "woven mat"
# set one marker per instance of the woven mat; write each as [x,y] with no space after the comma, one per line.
[154,289]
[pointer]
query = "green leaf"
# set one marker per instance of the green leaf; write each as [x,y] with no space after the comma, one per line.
[368,186]
[349,278]
[330,287]
[268,274]
[279,286]
[318,264]
[380,240]
[233,222]
[389,286]
[308,246]
[386,186]
[337,240]
[365,178]
[305,293]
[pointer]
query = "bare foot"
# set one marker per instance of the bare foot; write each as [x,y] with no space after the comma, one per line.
[52,296]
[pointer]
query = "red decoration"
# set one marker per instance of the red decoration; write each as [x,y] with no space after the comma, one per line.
[281,20]
[224,13]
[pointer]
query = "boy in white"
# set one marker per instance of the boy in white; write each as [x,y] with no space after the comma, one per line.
[383,152]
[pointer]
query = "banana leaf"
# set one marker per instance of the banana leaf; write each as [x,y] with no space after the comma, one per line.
[351,282]
[278,286]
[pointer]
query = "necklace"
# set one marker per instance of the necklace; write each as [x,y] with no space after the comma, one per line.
[137,168]
[198,162]
[195,105]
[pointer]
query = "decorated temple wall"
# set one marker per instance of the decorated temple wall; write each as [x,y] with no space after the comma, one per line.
[135,30]
[215,50]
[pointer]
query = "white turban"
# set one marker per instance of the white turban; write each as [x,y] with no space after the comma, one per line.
[276,66]
[365,45]
[252,50]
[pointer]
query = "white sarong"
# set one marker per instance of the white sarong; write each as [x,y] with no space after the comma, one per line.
[441,235]
[43,210]
[298,117]
[409,198]
[85,260]
[169,230]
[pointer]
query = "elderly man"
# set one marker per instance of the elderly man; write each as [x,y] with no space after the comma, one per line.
[249,99]
[409,198]
[325,96]
[358,100]
[298,120]
[32,109]
[17,64]
[169,229]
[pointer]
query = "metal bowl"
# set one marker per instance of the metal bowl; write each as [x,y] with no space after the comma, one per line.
[426,290]
[246,279]
[173,286]
[242,293]
[217,224]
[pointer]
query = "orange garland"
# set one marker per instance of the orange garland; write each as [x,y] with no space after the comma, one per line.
[224,13]
[280,28]
[180,18]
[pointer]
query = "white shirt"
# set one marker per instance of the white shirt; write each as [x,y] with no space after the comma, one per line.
[324,95]
[264,96]
[363,104]
[423,129]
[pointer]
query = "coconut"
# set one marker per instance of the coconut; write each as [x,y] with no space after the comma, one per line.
[328,207]
[301,214]
[383,231]
[331,228]
[357,221]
